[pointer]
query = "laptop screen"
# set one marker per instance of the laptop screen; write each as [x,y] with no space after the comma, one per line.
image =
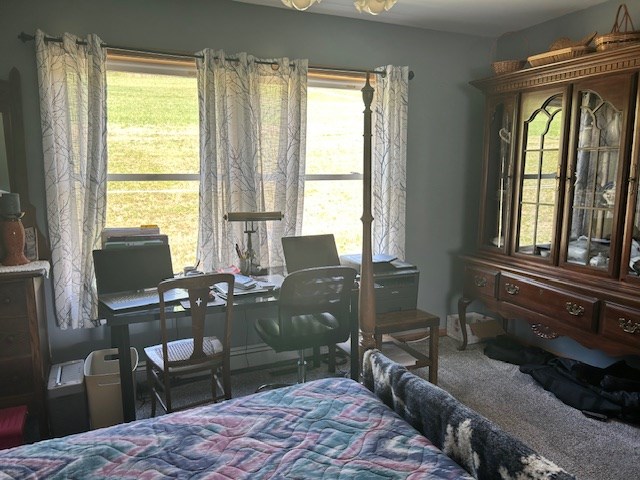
[310,251]
[131,268]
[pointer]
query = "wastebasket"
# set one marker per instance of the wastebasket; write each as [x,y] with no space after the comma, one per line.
[67,397]
[102,379]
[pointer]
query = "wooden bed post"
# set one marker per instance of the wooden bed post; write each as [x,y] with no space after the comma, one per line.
[367,301]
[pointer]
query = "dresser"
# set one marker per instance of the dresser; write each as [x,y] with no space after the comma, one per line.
[24,346]
[559,233]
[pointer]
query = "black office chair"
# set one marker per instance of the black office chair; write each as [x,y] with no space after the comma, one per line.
[197,353]
[314,310]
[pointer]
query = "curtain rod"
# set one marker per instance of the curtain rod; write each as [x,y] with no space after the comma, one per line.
[25,37]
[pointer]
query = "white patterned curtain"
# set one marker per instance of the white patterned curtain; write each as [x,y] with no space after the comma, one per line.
[252,152]
[389,161]
[72,80]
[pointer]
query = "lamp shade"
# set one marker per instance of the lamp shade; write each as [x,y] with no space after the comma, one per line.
[252,216]
[10,204]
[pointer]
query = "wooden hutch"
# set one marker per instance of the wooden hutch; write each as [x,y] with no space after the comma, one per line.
[559,230]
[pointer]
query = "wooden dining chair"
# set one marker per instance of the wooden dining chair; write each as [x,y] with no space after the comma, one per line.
[197,353]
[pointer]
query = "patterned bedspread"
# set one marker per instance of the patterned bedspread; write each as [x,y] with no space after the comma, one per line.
[332,428]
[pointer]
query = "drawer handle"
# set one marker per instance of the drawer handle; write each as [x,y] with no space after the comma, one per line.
[480,281]
[511,288]
[629,326]
[575,309]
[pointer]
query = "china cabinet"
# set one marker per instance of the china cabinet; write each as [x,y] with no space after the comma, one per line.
[559,231]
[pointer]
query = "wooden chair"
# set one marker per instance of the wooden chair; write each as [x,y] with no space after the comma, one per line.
[314,309]
[198,353]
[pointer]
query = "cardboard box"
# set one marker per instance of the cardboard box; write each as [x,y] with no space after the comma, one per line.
[479,327]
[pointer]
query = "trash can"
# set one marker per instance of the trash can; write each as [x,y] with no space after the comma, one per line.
[67,399]
[102,378]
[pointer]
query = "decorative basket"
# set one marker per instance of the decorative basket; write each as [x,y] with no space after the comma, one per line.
[622,34]
[558,55]
[507,66]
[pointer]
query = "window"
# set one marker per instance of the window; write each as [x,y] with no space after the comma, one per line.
[333,180]
[152,109]
[153,149]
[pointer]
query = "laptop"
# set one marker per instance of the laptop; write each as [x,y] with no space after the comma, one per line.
[309,251]
[128,277]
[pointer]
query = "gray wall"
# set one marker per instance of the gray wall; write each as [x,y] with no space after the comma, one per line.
[444,138]
[537,39]
[445,113]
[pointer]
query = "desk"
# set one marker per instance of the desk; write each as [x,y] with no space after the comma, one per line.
[119,322]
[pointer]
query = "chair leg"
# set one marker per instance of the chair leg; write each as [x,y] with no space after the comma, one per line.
[226,380]
[214,385]
[332,357]
[316,357]
[167,391]
[302,367]
[152,388]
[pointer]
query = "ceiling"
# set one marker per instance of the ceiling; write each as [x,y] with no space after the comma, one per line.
[487,18]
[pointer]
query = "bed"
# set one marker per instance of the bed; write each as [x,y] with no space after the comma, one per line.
[330,428]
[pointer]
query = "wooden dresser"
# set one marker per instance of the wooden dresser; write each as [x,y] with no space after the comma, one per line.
[24,345]
[559,230]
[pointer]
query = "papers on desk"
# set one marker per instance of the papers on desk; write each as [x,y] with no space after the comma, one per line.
[221,289]
[242,282]
[259,286]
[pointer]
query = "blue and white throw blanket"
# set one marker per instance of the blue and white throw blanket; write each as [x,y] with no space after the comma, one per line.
[481,447]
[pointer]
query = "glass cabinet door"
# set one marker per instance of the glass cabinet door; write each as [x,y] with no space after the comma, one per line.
[593,181]
[591,235]
[539,171]
[499,166]
[633,268]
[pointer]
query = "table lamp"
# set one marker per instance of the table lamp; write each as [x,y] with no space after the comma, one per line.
[247,259]
[12,230]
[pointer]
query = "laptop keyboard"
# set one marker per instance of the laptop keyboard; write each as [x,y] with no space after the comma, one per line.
[142,299]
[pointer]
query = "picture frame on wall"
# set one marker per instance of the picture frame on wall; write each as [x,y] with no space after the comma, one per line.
[31,243]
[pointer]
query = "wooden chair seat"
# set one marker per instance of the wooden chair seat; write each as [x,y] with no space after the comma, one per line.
[182,351]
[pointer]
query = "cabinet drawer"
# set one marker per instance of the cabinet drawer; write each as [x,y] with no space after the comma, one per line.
[13,300]
[479,282]
[561,305]
[621,324]
[14,337]
[16,376]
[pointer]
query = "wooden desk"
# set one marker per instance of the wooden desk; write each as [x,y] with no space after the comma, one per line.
[119,322]
[403,321]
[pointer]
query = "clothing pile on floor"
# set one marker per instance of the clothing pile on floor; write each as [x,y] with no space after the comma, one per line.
[601,393]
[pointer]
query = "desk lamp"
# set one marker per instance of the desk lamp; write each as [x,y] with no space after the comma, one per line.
[247,261]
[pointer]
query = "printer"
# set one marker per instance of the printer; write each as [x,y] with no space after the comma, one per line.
[395,281]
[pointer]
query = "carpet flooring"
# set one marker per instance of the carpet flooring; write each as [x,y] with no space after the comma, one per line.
[588,448]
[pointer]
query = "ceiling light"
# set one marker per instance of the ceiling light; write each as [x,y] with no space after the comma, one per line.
[299,4]
[374,7]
